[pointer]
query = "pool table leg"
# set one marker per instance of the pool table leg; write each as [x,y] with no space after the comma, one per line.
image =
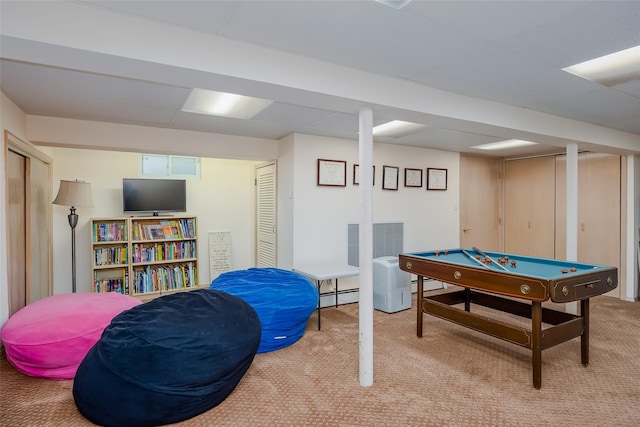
[419,297]
[584,338]
[536,332]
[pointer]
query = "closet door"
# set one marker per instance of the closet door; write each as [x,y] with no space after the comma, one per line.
[599,210]
[599,214]
[40,271]
[480,185]
[16,231]
[266,244]
[28,223]
[529,221]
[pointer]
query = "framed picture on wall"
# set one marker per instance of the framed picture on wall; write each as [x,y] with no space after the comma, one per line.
[390,177]
[332,173]
[412,177]
[356,175]
[436,179]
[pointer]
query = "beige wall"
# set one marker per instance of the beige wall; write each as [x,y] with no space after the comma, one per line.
[222,199]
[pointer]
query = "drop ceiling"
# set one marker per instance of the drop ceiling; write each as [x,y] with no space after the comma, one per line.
[508,53]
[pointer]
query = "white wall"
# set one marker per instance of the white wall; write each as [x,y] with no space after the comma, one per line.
[223,199]
[321,214]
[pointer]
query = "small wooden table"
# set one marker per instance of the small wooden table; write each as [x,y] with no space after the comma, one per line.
[326,271]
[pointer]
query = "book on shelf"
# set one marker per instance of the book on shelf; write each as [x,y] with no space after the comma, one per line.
[167,251]
[115,255]
[109,231]
[164,229]
[164,278]
[111,283]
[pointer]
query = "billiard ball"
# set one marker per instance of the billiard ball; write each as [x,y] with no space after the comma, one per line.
[573,269]
[513,263]
[564,271]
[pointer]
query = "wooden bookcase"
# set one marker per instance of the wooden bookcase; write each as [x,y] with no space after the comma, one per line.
[144,256]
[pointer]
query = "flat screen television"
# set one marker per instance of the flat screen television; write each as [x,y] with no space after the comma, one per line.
[154,195]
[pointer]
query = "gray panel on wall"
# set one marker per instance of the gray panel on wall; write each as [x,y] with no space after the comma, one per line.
[388,240]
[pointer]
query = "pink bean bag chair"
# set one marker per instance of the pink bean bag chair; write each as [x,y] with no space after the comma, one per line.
[50,337]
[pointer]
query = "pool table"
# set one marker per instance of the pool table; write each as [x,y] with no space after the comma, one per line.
[513,284]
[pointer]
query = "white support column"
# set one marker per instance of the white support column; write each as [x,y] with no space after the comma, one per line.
[632,247]
[572,211]
[366,247]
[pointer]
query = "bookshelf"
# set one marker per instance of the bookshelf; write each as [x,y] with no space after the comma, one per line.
[144,256]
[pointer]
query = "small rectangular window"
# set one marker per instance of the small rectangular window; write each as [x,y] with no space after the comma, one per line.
[157,165]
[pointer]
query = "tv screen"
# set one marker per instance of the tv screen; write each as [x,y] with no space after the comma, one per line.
[154,195]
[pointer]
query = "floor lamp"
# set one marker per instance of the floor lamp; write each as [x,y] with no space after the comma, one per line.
[73,193]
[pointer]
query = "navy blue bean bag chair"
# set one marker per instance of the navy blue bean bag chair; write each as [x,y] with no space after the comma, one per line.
[283,299]
[167,360]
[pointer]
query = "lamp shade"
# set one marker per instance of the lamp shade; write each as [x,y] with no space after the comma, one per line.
[74,193]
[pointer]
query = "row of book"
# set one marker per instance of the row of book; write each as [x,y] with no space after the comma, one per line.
[163,251]
[184,228]
[113,255]
[109,232]
[113,284]
[164,278]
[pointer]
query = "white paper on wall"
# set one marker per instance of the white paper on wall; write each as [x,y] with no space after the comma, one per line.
[219,253]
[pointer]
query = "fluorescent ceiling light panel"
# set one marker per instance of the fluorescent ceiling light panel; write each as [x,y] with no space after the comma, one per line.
[396,4]
[499,145]
[396,128]
[610,70]
[203,101]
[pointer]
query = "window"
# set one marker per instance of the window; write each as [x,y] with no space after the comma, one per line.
[156,165]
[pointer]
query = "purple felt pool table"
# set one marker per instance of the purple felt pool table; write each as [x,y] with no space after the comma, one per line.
[498,280]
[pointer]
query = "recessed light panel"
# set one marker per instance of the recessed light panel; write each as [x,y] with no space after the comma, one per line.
[204,101]
[610,70]
[499,145]
[396,4]
[396,128]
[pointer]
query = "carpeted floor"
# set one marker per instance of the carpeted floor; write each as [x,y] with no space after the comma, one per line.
[451,377]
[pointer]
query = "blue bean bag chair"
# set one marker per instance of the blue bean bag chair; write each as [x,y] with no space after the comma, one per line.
[283,299]
[167,360]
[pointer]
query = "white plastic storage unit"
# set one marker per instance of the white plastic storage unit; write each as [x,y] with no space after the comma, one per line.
[391,286]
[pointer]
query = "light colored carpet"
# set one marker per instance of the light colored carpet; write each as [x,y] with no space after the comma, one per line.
[451,377]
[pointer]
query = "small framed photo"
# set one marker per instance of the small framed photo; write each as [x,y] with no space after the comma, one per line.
[332,173]
[436,179]
[412,177]
[356,175]
[390,177]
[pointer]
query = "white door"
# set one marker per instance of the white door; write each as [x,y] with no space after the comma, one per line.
[266,245]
